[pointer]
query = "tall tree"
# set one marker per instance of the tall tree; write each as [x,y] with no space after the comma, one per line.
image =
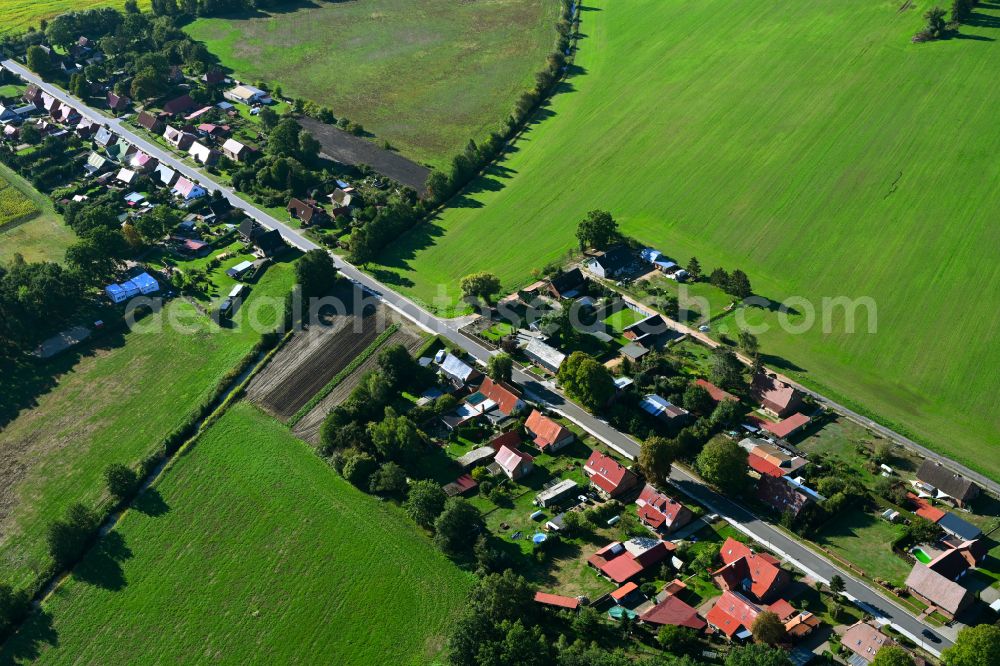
[121,480]
[456,528]
[425,502]
[726,369]
[395,437]
[723,463]
[974,646]
[38,60]
[893,655]
[480,285]
[587,380]
[748,343]
[768,628]
[694,268]
[316,273]
[598,230]
[500,367]
[655,458]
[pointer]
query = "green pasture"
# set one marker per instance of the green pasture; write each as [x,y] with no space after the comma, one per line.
[424,75]
[115,403]
[251,549]
[810,144]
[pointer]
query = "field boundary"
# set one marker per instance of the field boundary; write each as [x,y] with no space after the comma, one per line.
[342,375]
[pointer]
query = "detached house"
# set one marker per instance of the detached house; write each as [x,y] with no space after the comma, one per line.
[201,153]
[507,398]
[733,615]
[623,561]
[864,640]
[661,513]
[118,103]
[758,574]
[776,398]
[515,464]
[188,190]
[179,139]
[609,264]
[235,150]
[934,589]
[568,284]
[150,122]
[947,484]
[548,435]
[179,105]
[608,477]
[307,212]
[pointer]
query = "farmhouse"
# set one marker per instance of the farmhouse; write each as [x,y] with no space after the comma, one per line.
[744,570]
[933,589]
[188,190]
[199,152]
[266,243]
[864,640]
[770,459]
[661,513]
[949,485]
[515,464]
[609,264]
[248,95]
[179,139]
[607,476]
[775,397]
[568,284]
[179,105]
[307,212]
[784,494]
[149,122]
[235,150]
[621,562]
[788,426]
[548,435]
[674,612]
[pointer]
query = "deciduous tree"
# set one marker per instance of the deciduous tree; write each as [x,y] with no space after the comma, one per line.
[892,655]
[974,646]
[425,502]
[598,230]
[121,480]
[456,528]
[723,463]
[767,628]
[500,367]
[481,285]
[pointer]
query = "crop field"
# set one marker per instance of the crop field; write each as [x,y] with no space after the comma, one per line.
[308,427]
[425,75]
[114,404]
[309,361]
[29,225]
[810,144]
[251,549]
[19,14]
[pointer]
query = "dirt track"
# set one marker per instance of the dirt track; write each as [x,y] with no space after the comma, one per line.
[346,148]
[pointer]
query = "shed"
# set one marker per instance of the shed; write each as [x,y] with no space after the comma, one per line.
[556,493]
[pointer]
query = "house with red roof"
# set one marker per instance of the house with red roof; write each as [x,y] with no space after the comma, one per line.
[510,439]
[786,427]
[925,509]
[675,612]
[507,398]
[623,561]
[733,615]
[548,435]
[758,574]
[515,464]
[608,477]
[557,601]
[797,623]
[717,394]
[661,513]
[178,105]
[627,595]
[775,397]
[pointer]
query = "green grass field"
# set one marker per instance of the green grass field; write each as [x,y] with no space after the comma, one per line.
[426,75]
[29,225]
[251,549]
[810,144]
[863,539]
[19,14]
[114,405]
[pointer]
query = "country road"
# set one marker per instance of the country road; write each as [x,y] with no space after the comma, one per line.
[866,597]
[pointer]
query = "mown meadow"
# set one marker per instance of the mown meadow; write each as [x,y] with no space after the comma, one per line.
[251,549]
[810,144]
[115,403]
[424,75]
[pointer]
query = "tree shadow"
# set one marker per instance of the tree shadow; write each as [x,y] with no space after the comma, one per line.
[781,363]
[151,503]
[26,645]
[102,566]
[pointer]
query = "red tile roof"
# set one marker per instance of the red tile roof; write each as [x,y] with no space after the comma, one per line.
[658,510]
[557,600]
[782,609]
[510,439]
[673,611]
[787,426]
[607,474]
[924,508]
[763,466]
[732,612]
[619,564]
[546,431]
[766,577]
[503,394]
[624,591]
[717,394]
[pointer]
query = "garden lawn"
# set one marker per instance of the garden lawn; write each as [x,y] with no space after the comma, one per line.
[424,75]
[116,404]
[251,549]
[29,225]
[810,144]
[864,540]
[19,14]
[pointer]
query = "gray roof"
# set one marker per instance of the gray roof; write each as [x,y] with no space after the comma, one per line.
[962,529]
[456,368]
[951,484]
[476,456]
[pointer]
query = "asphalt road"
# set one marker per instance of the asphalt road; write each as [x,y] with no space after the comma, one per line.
[859,592]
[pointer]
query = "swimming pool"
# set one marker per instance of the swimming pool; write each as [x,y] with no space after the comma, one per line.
[921,555]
